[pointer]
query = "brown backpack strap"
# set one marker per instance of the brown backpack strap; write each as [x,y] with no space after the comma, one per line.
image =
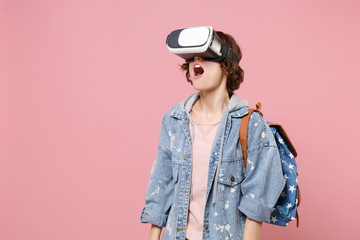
[297,218]
[297,214]
[243,132]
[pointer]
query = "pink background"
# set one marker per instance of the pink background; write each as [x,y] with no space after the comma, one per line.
[84,86]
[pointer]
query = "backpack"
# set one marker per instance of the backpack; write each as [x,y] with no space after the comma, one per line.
[285,209]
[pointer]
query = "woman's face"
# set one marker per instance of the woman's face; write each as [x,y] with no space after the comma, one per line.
[206,75]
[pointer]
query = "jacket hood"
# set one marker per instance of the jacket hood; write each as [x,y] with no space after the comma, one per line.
[234,104]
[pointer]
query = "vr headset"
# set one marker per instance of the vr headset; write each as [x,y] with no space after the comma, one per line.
[199,41]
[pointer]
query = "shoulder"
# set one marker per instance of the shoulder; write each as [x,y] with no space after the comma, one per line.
[177,111]
[256,117]
[256,122]
[174,111]
[172,114]
[259,132]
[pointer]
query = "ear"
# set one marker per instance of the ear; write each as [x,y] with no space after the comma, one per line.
[225,72]
[224,77]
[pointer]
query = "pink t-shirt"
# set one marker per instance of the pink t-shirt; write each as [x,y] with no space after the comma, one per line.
[202,144]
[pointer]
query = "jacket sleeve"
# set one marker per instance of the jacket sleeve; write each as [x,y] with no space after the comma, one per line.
[264,179]
[159,194]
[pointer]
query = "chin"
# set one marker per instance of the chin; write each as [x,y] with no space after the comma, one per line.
[203,89]
[198,87]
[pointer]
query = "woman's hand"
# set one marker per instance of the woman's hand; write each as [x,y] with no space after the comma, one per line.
[252,229]
[155,232]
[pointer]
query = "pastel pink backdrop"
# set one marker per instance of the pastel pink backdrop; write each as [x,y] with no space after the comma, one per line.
[84,86]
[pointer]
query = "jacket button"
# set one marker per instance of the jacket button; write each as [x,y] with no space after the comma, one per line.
[232,178]
[206,227]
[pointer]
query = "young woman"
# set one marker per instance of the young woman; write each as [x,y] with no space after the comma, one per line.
[198,187]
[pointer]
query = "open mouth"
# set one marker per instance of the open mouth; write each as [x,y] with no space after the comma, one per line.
[198,70]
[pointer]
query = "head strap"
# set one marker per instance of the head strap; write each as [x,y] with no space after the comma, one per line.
[225,50]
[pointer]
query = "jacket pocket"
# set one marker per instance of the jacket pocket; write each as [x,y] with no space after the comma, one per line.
[231,171]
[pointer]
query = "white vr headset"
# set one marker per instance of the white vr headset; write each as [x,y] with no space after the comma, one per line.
[201,42]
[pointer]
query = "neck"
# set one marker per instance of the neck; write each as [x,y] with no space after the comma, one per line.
[213,103]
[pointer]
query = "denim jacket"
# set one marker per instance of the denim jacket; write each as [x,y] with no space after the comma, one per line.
[232,195]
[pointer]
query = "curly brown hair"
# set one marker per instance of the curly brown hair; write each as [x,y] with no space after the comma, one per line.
[234,73]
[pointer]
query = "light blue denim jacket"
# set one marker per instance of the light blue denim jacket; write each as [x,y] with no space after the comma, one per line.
[231,194]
